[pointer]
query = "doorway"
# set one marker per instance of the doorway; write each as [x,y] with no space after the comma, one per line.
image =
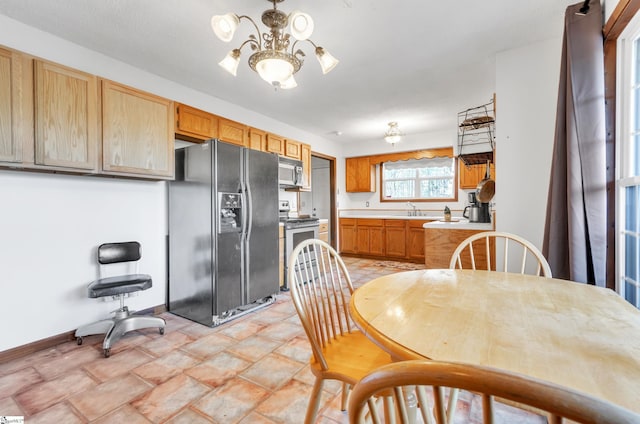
[321,200]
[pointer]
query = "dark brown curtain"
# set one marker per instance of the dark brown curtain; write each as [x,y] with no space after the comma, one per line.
[575,230]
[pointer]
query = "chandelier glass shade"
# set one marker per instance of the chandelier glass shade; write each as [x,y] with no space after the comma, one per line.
[393,134]
[275,59]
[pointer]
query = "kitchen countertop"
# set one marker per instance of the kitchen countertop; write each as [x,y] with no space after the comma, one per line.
[382,216]
[461,224]
[435,216]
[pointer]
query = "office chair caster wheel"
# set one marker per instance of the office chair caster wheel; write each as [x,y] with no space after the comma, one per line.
[79,341]
[107,353]
[162,331]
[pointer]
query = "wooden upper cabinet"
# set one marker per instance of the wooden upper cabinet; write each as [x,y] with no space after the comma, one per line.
[275,144]
[471,175]
[66,117]
[137,132]
[292,149]
[257,139]
[305,153]
[233,132]
[16,107]
[9,151]
[360,175]
[195,123]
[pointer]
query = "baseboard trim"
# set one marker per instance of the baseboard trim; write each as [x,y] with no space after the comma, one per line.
[49,342]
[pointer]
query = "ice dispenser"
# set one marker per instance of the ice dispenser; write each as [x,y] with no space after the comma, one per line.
[230,219]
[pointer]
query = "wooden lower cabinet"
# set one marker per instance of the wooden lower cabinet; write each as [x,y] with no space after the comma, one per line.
[370,237]
[323,232]
[415,240]
[348,239]
[394,239]
[439,245]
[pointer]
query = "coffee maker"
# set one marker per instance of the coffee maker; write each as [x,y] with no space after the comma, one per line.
[477,211]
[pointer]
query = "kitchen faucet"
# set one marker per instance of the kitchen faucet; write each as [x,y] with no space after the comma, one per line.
[415,212]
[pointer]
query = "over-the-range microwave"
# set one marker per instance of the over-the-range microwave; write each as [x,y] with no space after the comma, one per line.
[290,173]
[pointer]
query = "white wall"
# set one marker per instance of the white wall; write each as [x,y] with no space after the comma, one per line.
[609,6]
[51,225]
[526,92]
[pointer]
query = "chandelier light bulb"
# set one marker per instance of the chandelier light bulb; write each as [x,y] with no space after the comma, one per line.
[392,139]
[224,26]
[301,25]
[231,61]
[277,70]
[327,62]
[289,83]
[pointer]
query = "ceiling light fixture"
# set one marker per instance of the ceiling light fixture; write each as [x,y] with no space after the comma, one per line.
[272,60]
[393,134]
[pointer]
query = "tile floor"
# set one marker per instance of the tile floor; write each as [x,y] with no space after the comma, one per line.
[249,370]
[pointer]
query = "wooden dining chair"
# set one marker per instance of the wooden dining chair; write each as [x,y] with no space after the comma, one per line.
[321,288]
[482,248]
[411,380]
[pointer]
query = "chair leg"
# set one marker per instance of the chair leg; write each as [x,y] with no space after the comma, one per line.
[130,323]
[100,327]
[345,396]
[314,401]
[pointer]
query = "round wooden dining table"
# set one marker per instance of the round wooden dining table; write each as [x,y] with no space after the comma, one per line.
[579,336]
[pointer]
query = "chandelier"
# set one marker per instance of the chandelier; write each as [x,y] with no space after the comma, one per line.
[393,133]
[272,59]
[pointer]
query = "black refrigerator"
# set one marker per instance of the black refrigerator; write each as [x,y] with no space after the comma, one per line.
[223,232]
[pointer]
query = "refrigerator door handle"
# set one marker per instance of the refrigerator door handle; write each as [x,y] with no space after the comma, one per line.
[249,211]
[245,207]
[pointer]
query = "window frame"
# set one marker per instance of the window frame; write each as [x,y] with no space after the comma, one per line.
[628,105]
[417,179]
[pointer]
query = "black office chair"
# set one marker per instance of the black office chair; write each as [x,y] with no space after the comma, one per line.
[123,320]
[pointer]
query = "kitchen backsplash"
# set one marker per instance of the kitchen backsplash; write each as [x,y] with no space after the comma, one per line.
[291,196]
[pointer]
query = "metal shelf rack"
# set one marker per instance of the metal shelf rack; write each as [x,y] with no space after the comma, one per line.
[476,134]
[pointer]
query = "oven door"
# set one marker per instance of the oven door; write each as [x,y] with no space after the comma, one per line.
[293,237]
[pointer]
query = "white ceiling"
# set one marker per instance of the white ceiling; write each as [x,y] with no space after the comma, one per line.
[417,62]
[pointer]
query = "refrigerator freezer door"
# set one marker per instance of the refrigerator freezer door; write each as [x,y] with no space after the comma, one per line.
[190,239]
[229,289]
[262,262]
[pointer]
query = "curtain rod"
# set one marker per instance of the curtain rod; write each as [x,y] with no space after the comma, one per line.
[585,7]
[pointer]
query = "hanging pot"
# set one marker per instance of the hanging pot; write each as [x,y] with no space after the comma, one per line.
[486,188]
